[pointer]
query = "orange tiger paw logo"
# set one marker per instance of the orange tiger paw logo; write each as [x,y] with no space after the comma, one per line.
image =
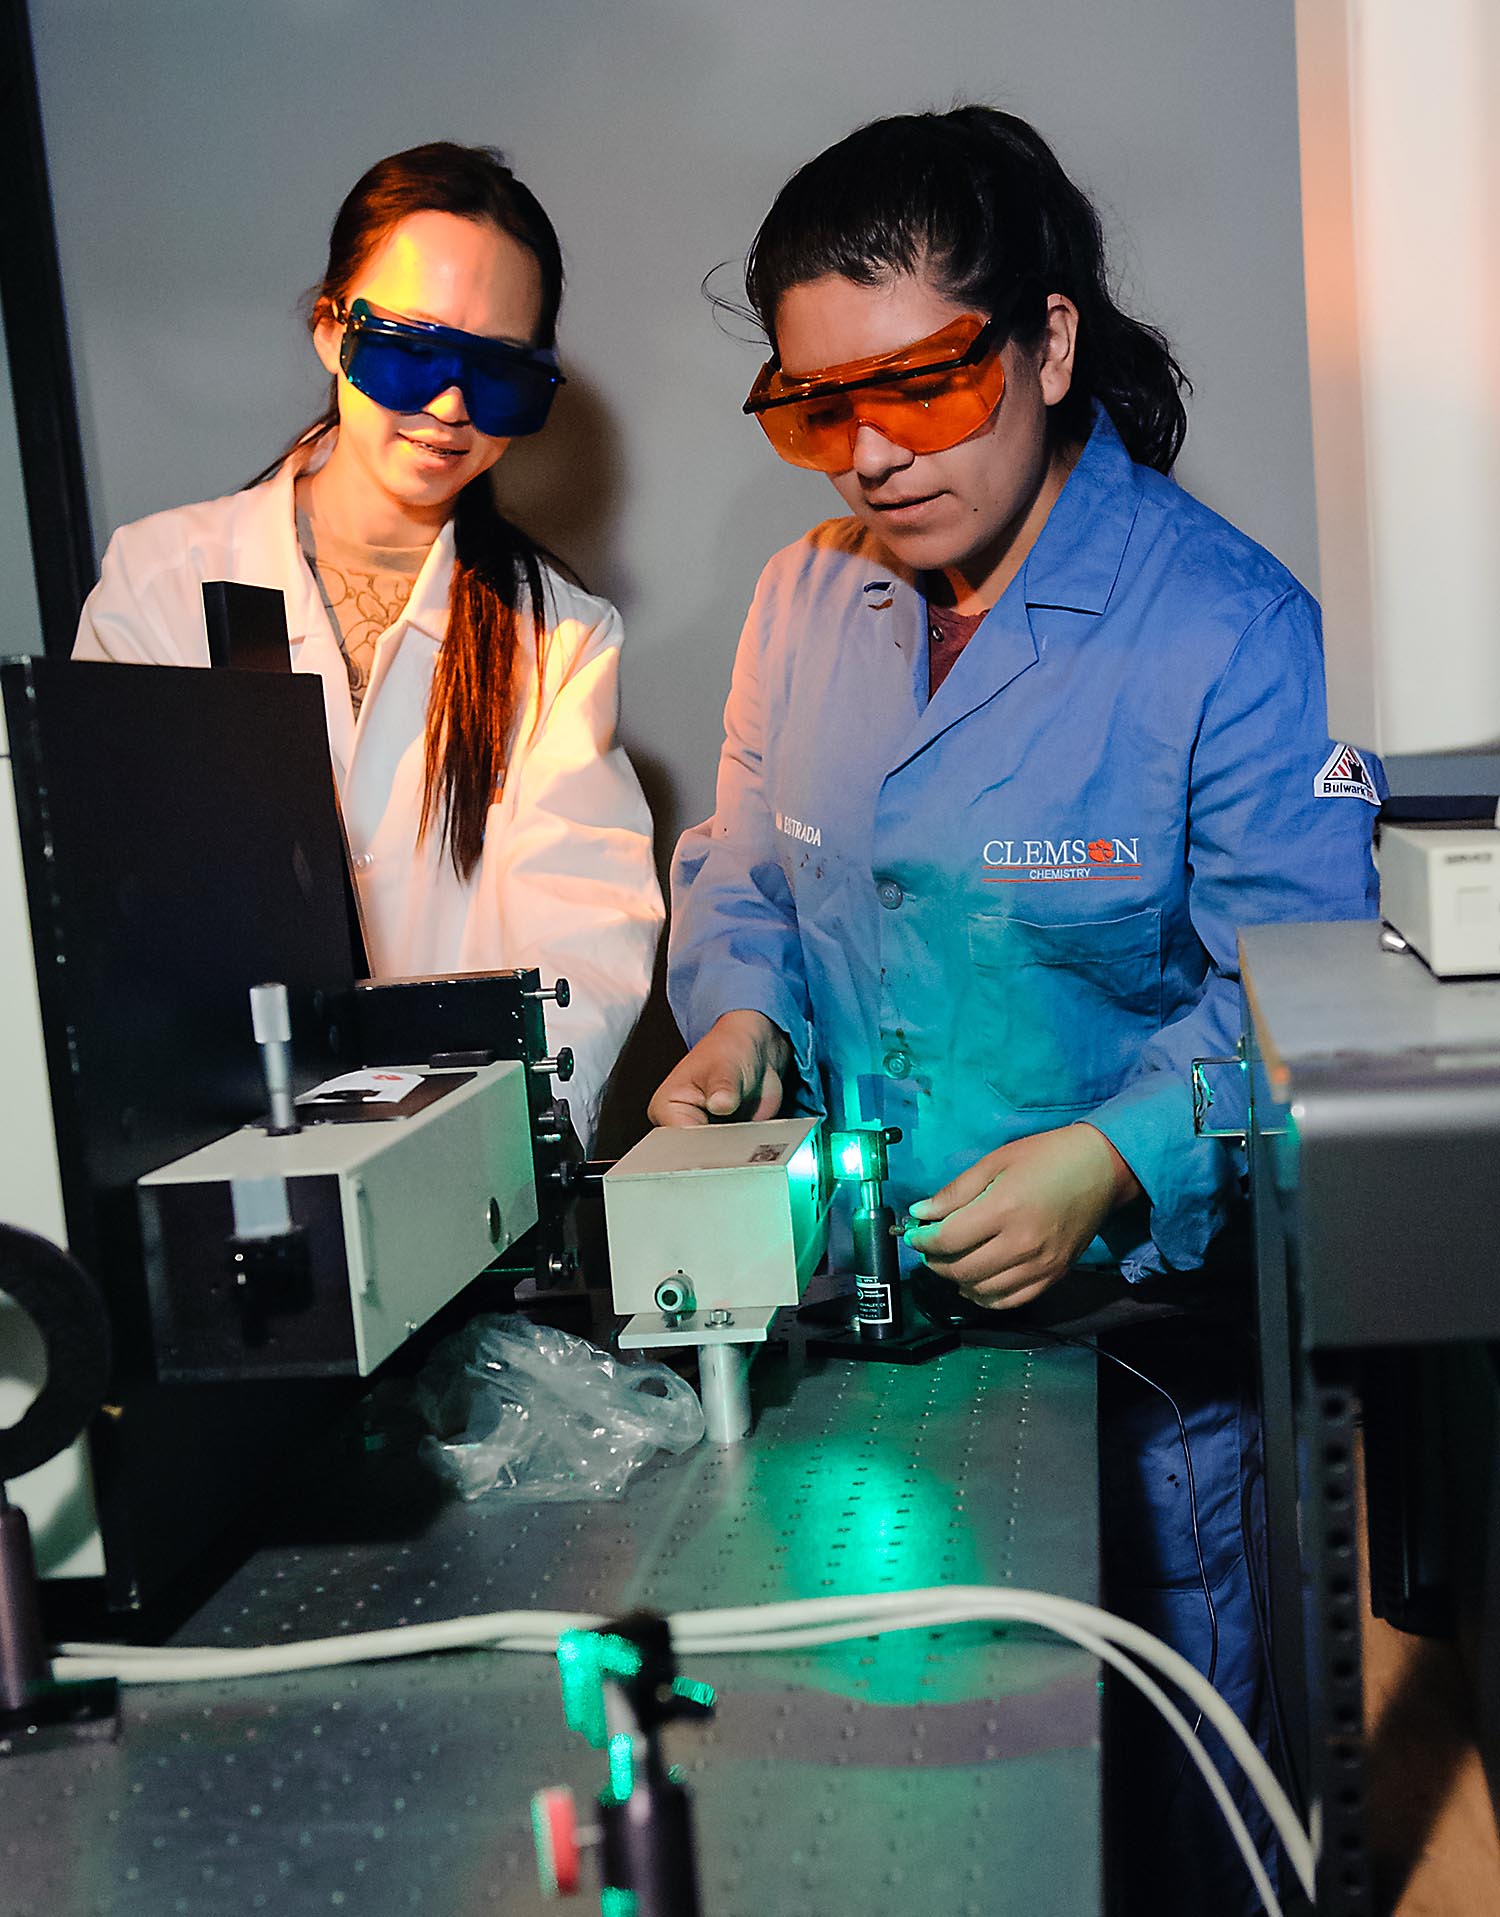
[1101,851]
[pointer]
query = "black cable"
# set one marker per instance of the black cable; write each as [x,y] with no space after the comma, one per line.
[1261,1610]
[1259,1607]
[1088,1344]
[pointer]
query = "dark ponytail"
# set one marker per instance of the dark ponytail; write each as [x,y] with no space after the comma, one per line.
[472,707]
[497,587]
[977,199]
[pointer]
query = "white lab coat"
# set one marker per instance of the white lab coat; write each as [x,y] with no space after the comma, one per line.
[566,880]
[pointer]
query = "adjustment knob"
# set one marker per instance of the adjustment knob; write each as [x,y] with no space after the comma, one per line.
[560,994]
[552,1122]
[674,1298]
[561,1065]
[554,1826]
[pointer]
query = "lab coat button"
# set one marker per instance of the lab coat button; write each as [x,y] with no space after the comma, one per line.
[897,1062]
[890,894]
[363,861]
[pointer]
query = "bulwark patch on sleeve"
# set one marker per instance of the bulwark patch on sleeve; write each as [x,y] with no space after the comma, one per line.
[1345,776]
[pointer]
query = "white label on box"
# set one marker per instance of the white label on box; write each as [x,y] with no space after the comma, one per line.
[363,1088]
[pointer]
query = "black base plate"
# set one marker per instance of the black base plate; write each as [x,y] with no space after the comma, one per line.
[62,1714]
[913,1347]
[1012,1337]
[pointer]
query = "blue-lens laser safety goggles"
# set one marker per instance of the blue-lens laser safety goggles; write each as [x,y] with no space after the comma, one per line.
[404,364]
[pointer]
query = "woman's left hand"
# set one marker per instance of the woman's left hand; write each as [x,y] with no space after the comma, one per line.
[1012,1224]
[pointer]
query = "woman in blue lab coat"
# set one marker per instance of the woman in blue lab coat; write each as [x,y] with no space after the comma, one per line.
[1010,754]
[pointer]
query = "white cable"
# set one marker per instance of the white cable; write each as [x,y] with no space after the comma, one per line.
[703,1632]
[963,1603]
[137,1664]
[142,1665]
[955,1604]
[729,1631]
[1218,1789]
[737,1643]
[1262,1780]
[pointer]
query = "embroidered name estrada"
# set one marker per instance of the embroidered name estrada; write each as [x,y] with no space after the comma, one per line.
[796,829]
[1012,861]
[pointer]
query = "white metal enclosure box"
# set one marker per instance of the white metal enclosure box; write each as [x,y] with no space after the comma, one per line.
[403,1214]
[1440,889]
[740,1210]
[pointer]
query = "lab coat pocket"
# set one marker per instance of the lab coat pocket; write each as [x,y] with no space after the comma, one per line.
[1060,1012]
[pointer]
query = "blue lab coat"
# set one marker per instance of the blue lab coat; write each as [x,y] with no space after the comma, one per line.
[1015,905]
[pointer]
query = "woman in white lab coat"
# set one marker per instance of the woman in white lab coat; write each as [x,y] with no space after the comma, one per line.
[471,690]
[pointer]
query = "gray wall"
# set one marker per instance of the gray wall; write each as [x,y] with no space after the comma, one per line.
[198,151]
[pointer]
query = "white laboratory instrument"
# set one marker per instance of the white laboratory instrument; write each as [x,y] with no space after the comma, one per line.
[712,1229]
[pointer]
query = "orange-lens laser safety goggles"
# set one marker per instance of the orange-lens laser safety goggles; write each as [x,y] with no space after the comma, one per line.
[924,398]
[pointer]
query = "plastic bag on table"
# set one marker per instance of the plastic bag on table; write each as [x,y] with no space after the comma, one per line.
[530,1412]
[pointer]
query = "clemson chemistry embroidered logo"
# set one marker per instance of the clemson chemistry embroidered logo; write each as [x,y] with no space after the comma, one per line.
[879,595]
[1345,776]
[1036,861]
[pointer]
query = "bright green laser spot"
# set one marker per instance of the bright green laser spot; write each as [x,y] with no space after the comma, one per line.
[584,1660]
[694,1691]
[851,1155]
[621,1766]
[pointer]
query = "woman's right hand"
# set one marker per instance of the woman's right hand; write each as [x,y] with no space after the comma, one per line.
[738,1069]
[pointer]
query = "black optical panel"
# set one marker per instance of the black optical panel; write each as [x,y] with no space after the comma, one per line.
[246,626]
[181,843]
